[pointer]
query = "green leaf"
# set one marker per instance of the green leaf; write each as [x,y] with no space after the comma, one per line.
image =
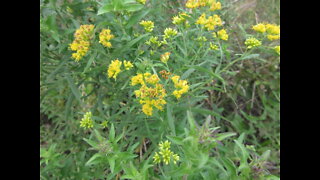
[111,163]
[191,121]
[91,143]
[95,159]
[133,7]
[170,119]
[105,9]
[223,136]
[74,89]
[175,139]
[90,62]
[135,18]
[251,56]
[128,45]
[112,133]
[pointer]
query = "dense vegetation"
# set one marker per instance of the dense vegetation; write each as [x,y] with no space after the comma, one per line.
[147,89]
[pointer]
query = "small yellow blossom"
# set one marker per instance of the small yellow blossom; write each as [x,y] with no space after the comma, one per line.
[153,40]
[114,68]
[277,49]
[202,19]
[81,43]
[214,46]
[261,28]
[147,109]
[175,158]
[166,154]
[215,6]
[252,42]
[273,29]
[169,32]
[127,65]
[164,145]
[273,37]
[138,79]
[222,34]
[105,36]
[86,121]
[148,25]
[180,85]
[165,57]
[156,158]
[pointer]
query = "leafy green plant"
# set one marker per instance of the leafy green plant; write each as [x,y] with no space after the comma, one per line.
[157,90]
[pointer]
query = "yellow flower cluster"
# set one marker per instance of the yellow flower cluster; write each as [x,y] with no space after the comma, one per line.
[215,6]
[273,30]
[261,28]
[153,40]
[86,121]
[196,3]
[169,32]
[148,25]
[180,85]
[180,18]
[222,34]
[277,49]
[211,22]
[81,42]
[166,154]
[115,68]
[142,1]
[150,96]
[105,36]
[252,42]
[214,46]
[165,57]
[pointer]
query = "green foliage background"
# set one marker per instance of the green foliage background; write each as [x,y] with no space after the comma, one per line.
[226,127]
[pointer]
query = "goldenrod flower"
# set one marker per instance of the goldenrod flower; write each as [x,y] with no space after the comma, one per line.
[213,21]
[166,154]
[180,85]
[261,28]
[215,6]
[138,79]
[114,68]
[202,39]
[105,36]
[153,40]
[165,74]
[147,109]
[81,43]
[273,29]
[148,25]
[165,57]
[213,46]
[86,121]
[273,37]
[252,42]
[127,65]
[202,19]
[156,158]
[222,34]
[152,96]
[169,32]
[277,49]
[179,18]
[164,145]
[175,158]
